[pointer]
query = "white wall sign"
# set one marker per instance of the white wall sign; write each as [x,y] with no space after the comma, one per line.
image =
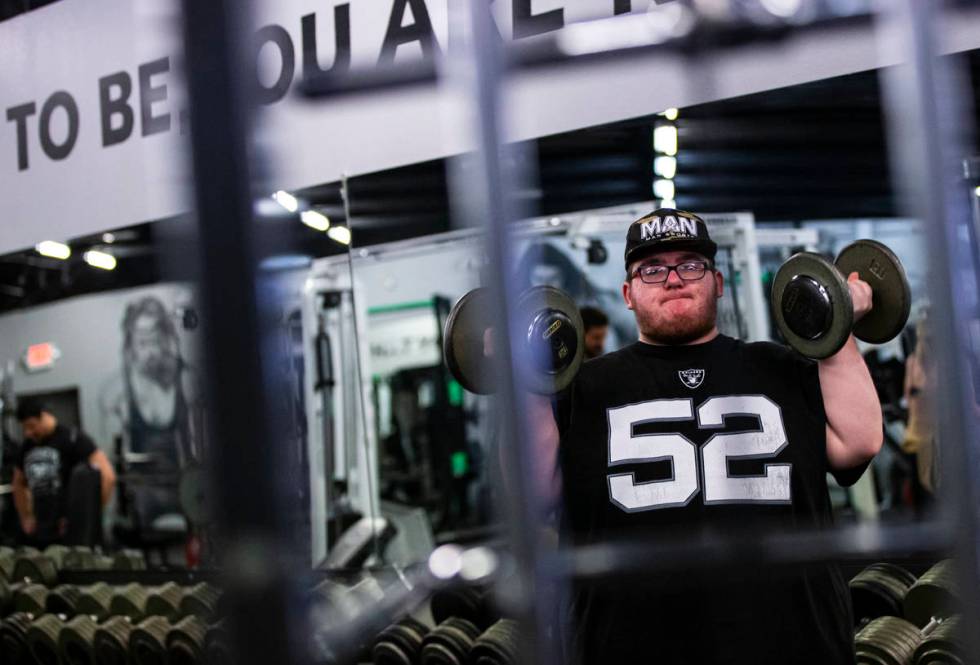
[93,123]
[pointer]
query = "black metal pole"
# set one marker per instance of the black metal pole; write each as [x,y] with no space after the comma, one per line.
[249,467]
[927,128]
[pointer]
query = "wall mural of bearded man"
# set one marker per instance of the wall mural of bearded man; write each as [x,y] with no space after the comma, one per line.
[153,404]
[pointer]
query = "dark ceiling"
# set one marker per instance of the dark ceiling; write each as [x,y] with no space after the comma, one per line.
[813,151]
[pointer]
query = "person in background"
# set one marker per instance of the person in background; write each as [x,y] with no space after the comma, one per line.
[920,395]
[40,485]
[596,325]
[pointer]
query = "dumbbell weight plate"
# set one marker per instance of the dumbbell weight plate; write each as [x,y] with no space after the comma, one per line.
[891,301]
[811,305]
[553,330]
[462,344]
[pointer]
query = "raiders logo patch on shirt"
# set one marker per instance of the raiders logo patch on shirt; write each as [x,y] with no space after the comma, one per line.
[692,378]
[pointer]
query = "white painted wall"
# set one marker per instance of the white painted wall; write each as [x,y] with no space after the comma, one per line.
[88,332]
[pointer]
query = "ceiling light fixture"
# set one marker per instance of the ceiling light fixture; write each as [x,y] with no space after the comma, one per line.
[665,140]
[315,220]
[101,260]
[339,233]
[286,200]
[665,167]
[53,249]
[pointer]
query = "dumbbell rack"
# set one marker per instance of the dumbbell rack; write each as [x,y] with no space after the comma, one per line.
[923,123]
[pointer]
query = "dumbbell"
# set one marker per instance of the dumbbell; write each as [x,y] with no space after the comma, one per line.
[887,641]
[185,641]
[811,302]
[13,636]
[111,641]
[76,643]
[933,596]
[879,590]
[498,645]
[148,641]
[449,643]
[551,332]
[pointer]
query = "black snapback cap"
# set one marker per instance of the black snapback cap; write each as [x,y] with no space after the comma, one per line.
[666,230]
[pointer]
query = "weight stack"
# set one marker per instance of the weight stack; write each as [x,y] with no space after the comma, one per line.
[13,638]
[400,643]
[449,643]
[112,641]
[887,641]
[185,642]
[42,639]
[879,590]
[94,600]
[499,645]
[77,641]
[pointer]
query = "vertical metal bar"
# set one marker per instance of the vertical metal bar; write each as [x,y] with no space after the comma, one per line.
[484,197]
[926,127]
[248,501]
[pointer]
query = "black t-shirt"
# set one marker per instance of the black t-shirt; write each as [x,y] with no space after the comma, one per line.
[47,465]
[716,438]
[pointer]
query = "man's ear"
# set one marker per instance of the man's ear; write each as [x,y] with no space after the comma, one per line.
[627,295]
[720,283]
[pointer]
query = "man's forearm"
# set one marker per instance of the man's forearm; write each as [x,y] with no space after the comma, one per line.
[22,502]
[108,483]
[853,410]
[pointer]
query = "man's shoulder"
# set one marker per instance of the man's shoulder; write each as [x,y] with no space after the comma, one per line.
[608,361]
[771,351]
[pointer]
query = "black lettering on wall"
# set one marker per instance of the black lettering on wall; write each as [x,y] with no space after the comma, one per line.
[63,100]
[341,61]
[19,115]
[115,106]
[397,34]
[276,34]
[150,94]
[528,24]
[622,6]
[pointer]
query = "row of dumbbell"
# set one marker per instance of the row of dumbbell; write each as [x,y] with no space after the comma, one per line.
[43,567]
[455,641]
[51,638]
[905,620]
[101,600]
[884,589]
[891,640]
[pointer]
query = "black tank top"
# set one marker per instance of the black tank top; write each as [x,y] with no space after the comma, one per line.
[169,444]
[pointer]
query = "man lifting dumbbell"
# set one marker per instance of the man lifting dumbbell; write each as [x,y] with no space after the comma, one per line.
[688,431]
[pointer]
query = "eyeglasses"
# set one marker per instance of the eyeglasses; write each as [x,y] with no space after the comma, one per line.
[656,273]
